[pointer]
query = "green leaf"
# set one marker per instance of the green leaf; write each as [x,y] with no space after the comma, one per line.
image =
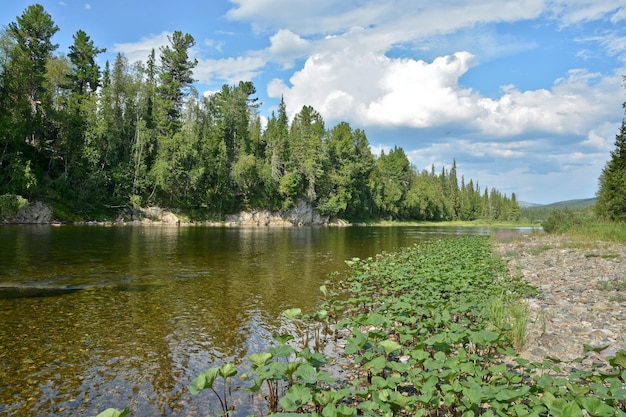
[323,290]
[619,360]
[377,364]
[296,397]
[330,411]
[598,349]
[572,410]
[596,407]
[260,359]
[474,396]
[345,411]
[420,354]
[292,313]
[114,412]
[306,374]
[321,314]
[283,338]
[375,319]
[227,370]
[203,381]
[390,346]
[281,351]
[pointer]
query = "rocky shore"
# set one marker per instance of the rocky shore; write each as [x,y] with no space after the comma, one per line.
[303,214]
[581,295]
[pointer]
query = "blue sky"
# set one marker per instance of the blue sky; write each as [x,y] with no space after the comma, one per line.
[525,95]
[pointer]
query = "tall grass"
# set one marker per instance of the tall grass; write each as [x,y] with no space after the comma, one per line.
[584,225]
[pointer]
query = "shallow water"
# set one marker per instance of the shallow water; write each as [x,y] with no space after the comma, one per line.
[93,317]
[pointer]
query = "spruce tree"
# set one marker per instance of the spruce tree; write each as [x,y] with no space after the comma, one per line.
[611,195]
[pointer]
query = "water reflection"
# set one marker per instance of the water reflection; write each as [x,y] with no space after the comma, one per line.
[97,317]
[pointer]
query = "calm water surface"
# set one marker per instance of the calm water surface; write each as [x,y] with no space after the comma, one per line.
[94,317]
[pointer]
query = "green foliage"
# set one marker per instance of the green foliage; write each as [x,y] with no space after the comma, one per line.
[113,412]
[612,192]
[419,339]
[559,221]
[10,204]
[138,134]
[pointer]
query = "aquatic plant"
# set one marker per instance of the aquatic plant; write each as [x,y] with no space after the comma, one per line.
[426,331]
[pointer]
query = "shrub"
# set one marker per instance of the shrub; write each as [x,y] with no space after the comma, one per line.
[559,221]
[10,204]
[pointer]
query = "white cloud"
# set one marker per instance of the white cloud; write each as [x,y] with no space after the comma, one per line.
[229,70]
[619,16]
[418,94]
[87,6]
[140,51]
[570,12]
[375,90]
[213,44]
[286,46]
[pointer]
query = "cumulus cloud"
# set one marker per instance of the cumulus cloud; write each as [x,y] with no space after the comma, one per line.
[286,46]
[140,51]
[228,70]
[375,90]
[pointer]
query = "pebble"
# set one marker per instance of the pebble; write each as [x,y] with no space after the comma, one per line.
[573,306]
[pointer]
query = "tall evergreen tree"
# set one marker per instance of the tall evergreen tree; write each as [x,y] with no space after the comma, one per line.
[305,151]
[612,191]
[26,118]
[175,83]
[85,75]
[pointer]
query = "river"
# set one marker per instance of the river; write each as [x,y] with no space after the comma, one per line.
[93,317]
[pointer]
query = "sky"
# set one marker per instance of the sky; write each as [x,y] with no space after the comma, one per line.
[525,95]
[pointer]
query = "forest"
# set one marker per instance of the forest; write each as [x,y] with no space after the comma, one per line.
[135,134]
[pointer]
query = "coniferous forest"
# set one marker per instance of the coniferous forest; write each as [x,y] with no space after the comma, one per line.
[138,134]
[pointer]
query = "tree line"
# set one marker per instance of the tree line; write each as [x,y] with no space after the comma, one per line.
[138,134]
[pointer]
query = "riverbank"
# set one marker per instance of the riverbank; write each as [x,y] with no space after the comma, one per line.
[303,214]
[581,296]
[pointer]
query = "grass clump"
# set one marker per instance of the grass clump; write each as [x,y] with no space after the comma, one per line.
[510,315]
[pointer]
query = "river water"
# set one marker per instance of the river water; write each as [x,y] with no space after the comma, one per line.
[93,317]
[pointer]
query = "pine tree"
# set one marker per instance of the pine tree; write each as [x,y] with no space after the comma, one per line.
[25,103]
[612,192]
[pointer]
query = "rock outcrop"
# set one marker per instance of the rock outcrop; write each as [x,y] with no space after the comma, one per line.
[148,215]
[302,215]
[35,213]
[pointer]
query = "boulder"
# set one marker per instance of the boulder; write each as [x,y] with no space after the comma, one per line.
[35,213]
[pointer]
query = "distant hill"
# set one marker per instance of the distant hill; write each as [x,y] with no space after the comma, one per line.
[526,204]
[573,204]
[539,212]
